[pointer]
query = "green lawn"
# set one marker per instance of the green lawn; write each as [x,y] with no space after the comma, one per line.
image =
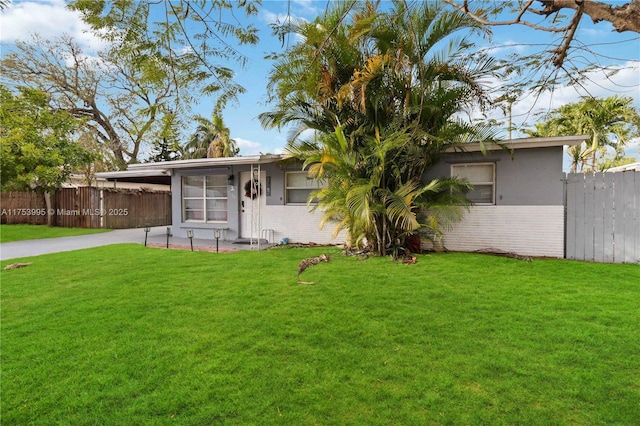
[9,233]
[132,335]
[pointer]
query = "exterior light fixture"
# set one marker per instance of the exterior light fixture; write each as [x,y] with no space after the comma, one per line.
[216,234]
[230,181]
[168,235]
[147,228]
[190,236]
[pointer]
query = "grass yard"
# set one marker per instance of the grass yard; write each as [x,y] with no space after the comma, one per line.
[9,233]
[132,335]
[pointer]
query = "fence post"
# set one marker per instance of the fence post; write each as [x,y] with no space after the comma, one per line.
[102,211]
[564,198]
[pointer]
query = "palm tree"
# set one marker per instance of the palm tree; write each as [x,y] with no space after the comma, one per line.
[380,95]
[210,139]
[611,122]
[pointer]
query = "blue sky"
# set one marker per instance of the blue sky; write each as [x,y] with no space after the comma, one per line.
[621,50]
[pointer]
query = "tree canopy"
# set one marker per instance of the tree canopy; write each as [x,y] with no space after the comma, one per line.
[211,139]
[373,97]
[138,91]
[205,33]
[37,147]
[611,122]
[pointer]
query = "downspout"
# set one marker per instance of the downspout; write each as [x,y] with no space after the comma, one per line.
[259,234]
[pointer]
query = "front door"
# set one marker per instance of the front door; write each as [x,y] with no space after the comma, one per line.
[252,203]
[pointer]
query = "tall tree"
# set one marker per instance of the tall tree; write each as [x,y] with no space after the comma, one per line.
[122,99]
[165,151]
[206,31]
[211,139]
[381,92]
[37,150]
[611,122]
[138,90]
[103,160]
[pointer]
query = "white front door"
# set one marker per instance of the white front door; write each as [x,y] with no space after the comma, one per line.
[252,206]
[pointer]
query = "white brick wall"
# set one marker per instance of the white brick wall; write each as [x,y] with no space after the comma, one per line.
[526,230]
[298,225]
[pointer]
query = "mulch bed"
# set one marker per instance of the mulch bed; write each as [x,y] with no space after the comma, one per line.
[187,247]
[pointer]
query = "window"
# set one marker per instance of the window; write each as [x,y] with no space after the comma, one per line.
[204,198]
[298,187]
[482,177]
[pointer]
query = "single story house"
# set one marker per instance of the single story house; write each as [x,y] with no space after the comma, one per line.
[633,167]
[256,199]
[518,195]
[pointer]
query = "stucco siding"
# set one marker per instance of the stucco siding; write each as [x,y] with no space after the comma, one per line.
[526,178]
[526,230]
[203,230]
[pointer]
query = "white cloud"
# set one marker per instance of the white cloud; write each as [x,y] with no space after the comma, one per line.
[271,17]
[505,47]
[279,151]
[530,105]
[307,7]
[248,147]
[49,19]
[278,18]
[633,148]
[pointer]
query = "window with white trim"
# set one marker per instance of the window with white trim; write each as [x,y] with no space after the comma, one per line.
[298,187]
[204,199]
[482,176]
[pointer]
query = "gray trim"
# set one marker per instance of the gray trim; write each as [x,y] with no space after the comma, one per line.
[210,162]
[520,144]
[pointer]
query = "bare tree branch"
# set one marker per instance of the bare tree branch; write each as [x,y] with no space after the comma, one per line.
[625,17]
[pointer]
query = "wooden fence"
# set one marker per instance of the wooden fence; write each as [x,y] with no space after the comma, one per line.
[89,208]
[23,208]
[603,217]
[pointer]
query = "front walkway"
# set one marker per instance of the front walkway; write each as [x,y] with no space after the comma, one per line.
[157,238]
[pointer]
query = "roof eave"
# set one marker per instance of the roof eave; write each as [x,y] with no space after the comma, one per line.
[210,162]
[521,143]
[123,174]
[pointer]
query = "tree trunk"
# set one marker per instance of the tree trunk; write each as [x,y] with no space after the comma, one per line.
[47,203]
[594,148]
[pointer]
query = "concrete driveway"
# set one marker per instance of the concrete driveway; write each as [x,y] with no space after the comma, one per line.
[157,236]
[16,249]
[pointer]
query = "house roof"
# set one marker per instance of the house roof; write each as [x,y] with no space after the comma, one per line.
[633,167]
[155,175]
[209,162]
[521,143]
[147,171]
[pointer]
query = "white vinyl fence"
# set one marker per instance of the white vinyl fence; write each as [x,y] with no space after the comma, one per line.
[603,217]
